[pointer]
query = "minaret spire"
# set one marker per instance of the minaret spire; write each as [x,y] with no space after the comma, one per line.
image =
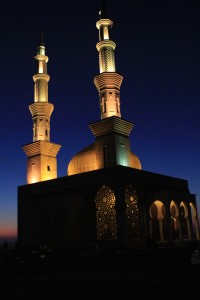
[108,82]
[103,13]
[41,153]
[41,39]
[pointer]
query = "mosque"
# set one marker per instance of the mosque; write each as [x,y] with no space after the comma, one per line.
[105,198]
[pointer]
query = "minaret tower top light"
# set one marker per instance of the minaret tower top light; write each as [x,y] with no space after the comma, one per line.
[105,46]
[41,78]
[108,82]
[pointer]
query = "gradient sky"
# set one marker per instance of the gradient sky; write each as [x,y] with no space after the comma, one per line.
[158,55]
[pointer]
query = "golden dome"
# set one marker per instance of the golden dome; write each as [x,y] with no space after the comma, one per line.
[135,162]
[83,161]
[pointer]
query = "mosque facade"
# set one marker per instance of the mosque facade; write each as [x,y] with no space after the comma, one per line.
[105,198]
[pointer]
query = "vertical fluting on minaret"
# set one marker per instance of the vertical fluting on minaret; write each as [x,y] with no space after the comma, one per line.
[108,82]
[41,109]
[41,153]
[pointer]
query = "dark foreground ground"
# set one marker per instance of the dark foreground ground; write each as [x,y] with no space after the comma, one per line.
[156,273]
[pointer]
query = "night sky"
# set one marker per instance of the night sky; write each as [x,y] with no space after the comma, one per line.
[158,55]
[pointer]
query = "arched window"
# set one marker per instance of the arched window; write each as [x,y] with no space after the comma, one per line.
[184,219]
[106,33]
[174,220]
[106,214]
[157,213]
[132,213]
[195,227]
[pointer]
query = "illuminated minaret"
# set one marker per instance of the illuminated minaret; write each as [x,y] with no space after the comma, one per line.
[41,154]
[111,133]
[111,146]
[108,82]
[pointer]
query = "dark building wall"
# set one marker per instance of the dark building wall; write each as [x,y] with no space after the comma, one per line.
[49,219]
[62,212]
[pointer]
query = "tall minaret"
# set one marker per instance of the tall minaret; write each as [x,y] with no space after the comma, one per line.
[41,154]
[112,145]
[108,82]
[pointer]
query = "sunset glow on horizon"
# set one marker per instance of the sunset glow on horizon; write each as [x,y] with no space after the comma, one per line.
[8,233]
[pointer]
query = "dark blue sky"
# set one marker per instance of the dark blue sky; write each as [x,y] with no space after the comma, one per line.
[158,55]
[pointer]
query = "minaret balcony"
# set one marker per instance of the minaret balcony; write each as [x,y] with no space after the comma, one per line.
[105,44]
[41,76]
[104,22]
[109,125]
[41,148]
[42,57]
[41,108]
[108,80]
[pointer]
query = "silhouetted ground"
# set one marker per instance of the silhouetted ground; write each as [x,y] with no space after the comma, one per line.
[158,273]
